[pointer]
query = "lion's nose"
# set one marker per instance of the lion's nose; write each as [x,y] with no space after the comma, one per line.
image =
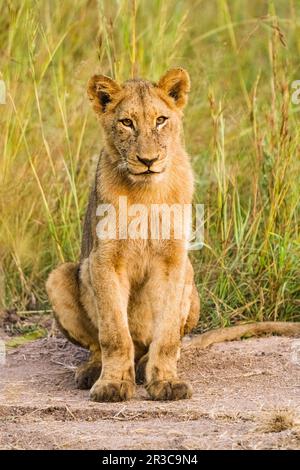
[147,161]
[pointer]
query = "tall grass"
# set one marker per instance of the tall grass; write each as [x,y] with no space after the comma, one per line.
[242,131]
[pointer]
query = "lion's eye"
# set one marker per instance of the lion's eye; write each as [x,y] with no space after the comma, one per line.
[160,120]
[127,122]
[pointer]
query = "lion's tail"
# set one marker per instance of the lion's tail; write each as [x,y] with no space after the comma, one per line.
[219,335]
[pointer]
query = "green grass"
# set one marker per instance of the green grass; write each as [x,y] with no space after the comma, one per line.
[241,128]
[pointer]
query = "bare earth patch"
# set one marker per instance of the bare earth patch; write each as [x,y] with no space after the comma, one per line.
[246,396]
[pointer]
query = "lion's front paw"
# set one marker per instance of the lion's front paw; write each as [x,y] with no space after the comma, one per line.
[104,390]
[87,374]
[169,390]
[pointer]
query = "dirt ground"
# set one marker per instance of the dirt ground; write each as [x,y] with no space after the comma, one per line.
[246,396]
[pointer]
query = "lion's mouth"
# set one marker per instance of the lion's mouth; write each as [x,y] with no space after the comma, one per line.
[147,172]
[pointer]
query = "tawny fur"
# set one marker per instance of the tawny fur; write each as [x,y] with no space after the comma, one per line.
[131,301]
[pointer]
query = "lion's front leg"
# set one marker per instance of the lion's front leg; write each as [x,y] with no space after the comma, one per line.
[117,380]
[166,290]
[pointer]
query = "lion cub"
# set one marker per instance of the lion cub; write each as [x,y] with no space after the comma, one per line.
[130,300]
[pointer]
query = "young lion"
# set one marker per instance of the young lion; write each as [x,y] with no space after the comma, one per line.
[129,301]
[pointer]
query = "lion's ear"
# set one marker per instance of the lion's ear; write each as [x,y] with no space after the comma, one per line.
[101,91]
[176,84]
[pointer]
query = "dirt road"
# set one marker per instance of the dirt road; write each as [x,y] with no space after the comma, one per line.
[246,396]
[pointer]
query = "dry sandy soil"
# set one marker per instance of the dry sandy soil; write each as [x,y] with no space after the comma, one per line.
[246,396]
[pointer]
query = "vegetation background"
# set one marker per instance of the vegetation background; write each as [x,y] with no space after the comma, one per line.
[241,129]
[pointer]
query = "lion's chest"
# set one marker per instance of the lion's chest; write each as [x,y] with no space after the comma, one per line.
[142,256]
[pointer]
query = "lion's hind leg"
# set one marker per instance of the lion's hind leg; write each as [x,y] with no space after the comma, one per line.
[194,312]
[140,369]
[190,304]
[63,291]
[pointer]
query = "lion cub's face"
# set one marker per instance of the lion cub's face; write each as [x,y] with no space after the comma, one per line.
[141,121]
